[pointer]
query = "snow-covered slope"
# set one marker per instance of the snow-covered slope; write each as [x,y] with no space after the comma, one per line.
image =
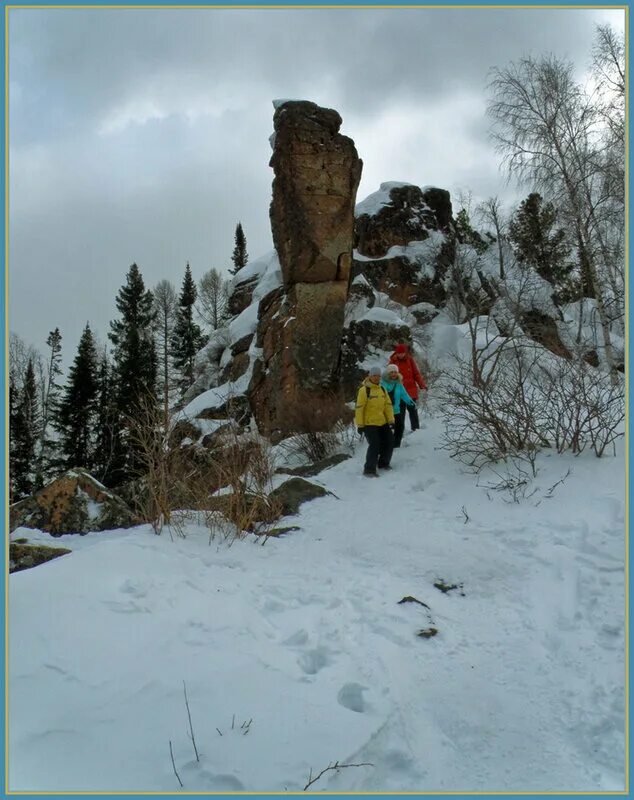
[297,654]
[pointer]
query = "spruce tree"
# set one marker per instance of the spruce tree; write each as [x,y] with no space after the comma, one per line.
[50,407]
[78,408]
[135,367]
[14,423]
[107,431]
[467,234]
[240,255]
[187,338]
[538,241]
[25,435]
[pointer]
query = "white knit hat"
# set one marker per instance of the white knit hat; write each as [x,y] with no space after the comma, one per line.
[374,370]
[392,368]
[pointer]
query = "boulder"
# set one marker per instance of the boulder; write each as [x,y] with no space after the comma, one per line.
[292,493]
[309,470]
[24,556]
[73,503]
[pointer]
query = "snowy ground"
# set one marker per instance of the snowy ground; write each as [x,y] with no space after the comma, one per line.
[297,654]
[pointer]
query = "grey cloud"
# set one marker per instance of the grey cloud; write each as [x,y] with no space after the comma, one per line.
[83,60]
[143,134]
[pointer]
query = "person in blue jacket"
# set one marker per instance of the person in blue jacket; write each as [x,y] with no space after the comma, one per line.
[392,382]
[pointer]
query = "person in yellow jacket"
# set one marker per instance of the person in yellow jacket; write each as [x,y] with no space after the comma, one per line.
[374,417]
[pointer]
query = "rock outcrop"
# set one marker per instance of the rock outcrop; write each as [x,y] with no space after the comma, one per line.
[317,172]
[404,242]
[72,503]
[400,213]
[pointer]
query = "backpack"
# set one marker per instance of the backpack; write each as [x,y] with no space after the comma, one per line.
[389,394]
[367,392]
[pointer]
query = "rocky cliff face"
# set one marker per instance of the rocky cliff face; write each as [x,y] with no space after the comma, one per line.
[317,172]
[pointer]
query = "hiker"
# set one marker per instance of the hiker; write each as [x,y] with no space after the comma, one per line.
[392,382]
[412,380]
[374,417]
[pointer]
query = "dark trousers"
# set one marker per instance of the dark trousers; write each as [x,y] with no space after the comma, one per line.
[413,418]
[399,426]
[380,445]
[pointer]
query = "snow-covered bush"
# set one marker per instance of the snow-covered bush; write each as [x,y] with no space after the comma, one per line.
[526,399]
[581,405]
[494,419]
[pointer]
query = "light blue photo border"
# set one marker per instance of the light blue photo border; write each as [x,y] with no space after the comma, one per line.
[7,8]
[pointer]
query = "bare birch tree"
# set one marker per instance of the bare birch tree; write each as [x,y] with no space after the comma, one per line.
[548,131]
[166,302]
[490,211]
[212,298]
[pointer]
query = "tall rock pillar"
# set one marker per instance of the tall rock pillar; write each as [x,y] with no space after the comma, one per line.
[317,173]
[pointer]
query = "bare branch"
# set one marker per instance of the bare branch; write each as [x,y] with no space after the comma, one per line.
[191,729]
[336,766]
[174,765]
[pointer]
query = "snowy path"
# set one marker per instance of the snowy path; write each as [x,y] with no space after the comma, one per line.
[520,690]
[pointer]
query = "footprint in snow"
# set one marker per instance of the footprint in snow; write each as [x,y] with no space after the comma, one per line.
[297,639]
[133,589]
[312,661]
[422,486]
[350,696]
[126,608]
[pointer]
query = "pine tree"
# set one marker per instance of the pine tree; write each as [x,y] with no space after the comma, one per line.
[78,408]
[240,255]
[187,338]
[135,366]
[537,241]
[25,435]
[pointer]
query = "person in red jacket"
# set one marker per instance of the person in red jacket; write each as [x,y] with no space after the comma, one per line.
[412,379]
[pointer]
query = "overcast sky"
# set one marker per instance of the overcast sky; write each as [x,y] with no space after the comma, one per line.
[142,135]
